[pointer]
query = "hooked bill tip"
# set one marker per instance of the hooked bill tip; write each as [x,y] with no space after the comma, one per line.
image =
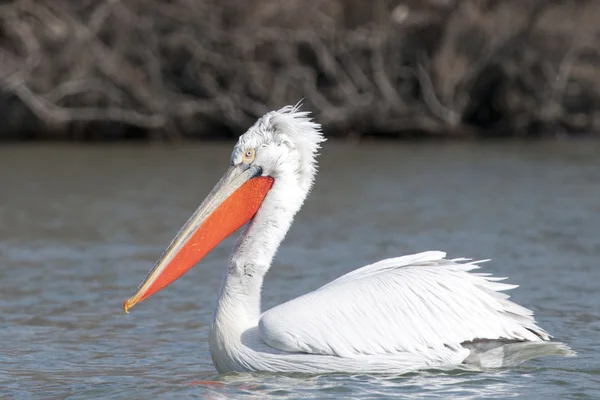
[127,305]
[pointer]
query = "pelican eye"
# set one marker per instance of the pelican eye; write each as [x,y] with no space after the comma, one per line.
[249,156]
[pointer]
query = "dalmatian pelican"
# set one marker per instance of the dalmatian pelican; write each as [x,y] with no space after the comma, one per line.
[396,315]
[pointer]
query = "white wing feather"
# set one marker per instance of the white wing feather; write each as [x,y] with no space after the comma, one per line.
[420,303]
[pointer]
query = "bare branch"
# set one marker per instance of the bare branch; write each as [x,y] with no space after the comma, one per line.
[362,66]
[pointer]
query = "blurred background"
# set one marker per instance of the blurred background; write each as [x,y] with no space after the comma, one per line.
[153,69]
[102,106]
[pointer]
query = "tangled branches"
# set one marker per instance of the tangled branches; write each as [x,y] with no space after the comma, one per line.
[114,68]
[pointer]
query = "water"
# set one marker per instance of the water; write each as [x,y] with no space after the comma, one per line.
[81,226]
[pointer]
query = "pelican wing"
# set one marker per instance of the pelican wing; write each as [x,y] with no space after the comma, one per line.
[419,304]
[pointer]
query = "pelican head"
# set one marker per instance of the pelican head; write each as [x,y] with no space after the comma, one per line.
[273,163]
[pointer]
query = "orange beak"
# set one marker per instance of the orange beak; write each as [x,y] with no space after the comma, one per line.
[232,203]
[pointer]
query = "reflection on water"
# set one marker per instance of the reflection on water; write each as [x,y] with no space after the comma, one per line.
[81,227]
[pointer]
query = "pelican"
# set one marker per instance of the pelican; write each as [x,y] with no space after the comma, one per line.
[394,316]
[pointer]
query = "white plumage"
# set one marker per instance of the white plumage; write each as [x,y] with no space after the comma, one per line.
[394,316]
[397,315]
[416,304]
